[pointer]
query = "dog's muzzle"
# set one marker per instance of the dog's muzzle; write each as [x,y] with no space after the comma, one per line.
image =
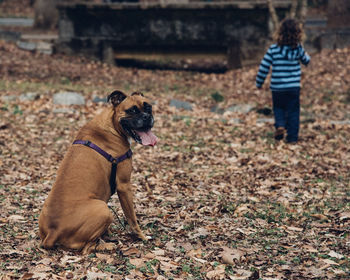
[139,128]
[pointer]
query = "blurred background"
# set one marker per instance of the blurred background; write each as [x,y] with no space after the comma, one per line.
[211,36]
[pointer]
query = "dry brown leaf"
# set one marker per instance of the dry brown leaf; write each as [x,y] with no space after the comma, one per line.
[344,216]
[319,216]
[168,266]
[291,228]
[217,273]
[330,262]
[335,255]
[137,262]
[216,180]
[131,251]
[310,249]
[230,255]
[159,252]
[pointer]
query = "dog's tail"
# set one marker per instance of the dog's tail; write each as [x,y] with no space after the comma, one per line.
[49,240]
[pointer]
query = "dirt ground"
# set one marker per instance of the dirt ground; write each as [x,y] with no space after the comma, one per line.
[218,196]
[16,8]
[226,201]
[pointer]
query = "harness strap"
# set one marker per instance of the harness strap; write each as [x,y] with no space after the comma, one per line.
[110,158]
[112,178]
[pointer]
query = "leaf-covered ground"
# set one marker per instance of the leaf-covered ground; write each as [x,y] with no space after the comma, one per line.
[16,8]
[218,196]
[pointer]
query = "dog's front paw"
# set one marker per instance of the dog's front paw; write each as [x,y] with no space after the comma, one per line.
[142,236]
[106,246]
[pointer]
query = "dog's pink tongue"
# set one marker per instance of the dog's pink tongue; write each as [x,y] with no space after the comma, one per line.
[147,138]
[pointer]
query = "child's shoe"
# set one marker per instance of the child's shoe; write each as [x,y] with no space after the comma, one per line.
[279,133]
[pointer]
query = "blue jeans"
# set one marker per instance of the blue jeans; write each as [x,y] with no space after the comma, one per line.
[286,108]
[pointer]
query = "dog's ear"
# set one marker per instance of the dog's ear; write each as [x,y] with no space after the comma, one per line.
[137,93]
[116,97]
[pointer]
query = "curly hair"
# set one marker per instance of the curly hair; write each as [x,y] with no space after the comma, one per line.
[290,33]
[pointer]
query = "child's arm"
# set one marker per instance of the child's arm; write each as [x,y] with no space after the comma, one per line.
[264,68]
[304,57]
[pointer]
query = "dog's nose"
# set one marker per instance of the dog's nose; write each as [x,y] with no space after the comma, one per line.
[146,117]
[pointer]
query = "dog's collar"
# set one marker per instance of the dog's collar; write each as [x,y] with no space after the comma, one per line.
[110,158]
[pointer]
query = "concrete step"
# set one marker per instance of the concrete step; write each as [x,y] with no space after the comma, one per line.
[42,43]
[39,37]
[39,46]
[316,22]
[24,22]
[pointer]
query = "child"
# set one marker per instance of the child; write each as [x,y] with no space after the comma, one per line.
[285,57]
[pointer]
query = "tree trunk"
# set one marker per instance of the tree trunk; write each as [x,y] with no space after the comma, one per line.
[273,14]
[45,14]
[234,56]
[303,11]
[293,8]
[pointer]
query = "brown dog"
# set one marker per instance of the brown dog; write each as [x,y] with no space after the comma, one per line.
[75,214]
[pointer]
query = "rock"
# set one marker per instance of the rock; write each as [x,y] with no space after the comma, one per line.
[343,122]
[181,104]
[68,98]
[235,120]
[63,111]
[264,111]
[28,46]
[41,46]
[218,110]
[8,98]
[29,96]
[11,36]
[241,108]
[44,47]
[99,99]
[265,120]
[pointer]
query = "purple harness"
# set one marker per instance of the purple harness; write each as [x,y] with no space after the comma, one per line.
[110,158]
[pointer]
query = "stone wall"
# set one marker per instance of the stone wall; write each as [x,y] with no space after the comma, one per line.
[338,13]
[236,29]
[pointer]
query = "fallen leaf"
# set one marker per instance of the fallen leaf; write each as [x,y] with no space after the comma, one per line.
[150,255]
[159,252]
[229,255]
[217,273]
[295,229]
[132,251]
[70,259]
[168,266]
[319,216]
[328,261]
[105,257]
[137,262]
[335,255]
[344,216]
[16,218]
[310,249]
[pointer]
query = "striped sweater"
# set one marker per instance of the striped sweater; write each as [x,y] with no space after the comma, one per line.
[285,63]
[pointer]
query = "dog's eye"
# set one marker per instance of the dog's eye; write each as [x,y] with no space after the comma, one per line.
[147,107]
[133,110]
